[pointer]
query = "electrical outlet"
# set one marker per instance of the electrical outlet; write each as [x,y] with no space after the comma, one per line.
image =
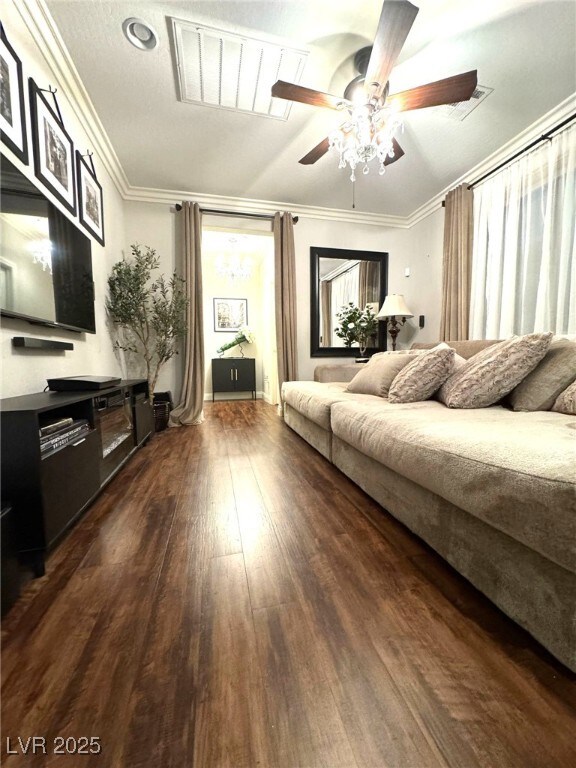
[407,272]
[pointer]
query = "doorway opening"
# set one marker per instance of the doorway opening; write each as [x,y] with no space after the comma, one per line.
[238,292]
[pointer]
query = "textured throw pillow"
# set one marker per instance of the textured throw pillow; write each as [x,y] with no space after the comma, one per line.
[556,370]
[423,375]
[494,372]
[566,401]
[377,375]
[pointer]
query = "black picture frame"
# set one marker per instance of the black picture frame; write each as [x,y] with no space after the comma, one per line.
[237,311]
[90,199]
[316,349]
[12,102]
[53,149]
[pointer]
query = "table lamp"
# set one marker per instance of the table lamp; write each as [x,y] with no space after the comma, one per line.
[395,312]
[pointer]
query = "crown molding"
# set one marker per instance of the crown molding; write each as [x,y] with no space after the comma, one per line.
[538,128]
[42,27]
[247,205]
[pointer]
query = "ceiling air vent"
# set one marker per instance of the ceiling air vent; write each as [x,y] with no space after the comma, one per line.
[229,71]
[462,109]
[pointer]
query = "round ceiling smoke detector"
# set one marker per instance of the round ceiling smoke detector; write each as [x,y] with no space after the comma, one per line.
[140,34]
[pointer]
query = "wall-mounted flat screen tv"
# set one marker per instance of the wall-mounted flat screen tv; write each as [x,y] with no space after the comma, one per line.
[45,260]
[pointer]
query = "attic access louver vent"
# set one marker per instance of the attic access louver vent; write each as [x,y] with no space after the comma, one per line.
[462,109]
[230,71]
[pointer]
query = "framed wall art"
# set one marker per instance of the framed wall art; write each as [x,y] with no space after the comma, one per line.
[53,148]
[12,109]
[90,200]
[230,314]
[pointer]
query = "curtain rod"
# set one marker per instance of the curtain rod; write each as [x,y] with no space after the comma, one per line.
[237,214]
[545,137]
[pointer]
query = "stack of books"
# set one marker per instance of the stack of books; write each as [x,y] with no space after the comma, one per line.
[59,433]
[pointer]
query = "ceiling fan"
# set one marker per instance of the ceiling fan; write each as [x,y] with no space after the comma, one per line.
[373,113]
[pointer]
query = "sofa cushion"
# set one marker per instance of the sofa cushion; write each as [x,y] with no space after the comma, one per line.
[313,398]
[423,376]
[514,471]
[492,373]
[330,372]
[377,375]
[556,370]
[566,401]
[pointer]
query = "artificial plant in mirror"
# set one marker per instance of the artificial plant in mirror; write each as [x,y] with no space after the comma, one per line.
[347,289]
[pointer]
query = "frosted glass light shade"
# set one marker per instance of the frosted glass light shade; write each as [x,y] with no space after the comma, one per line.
[394,306]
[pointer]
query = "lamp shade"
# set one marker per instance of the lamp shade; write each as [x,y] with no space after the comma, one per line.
[394,306]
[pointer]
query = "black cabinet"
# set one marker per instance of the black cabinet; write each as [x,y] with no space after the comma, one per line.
[69,479]
[143,418]
[10,575]
[234,374]
[50,486]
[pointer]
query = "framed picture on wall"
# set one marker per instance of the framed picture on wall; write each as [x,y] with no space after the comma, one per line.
[230,314]
[90,200]
[53,149]
[12,110]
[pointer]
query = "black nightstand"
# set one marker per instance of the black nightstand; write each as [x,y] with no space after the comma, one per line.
[234,374]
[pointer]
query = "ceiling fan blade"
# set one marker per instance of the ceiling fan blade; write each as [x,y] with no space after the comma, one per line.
[292,92]
[451,90]
[316,153]
[395,23]
[398,152]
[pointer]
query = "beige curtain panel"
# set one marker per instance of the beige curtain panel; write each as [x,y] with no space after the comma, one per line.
[326,309]
[368,283]
[457,264]
[285,285]
[190,408]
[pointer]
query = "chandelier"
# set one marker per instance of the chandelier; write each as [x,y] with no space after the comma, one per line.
[234,267]
[41,251]
[367,134]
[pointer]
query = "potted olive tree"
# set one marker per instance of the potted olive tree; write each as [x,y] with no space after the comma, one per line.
[149,314]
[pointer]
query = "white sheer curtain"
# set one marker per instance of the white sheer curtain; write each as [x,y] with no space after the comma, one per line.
[524,255]
[345,288]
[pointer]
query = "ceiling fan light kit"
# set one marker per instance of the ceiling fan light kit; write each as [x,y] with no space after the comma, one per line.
[369,133]
[373,115]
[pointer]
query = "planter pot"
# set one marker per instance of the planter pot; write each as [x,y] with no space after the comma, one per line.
[162,407]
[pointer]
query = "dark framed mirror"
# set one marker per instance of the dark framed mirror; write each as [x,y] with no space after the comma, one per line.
[339,276]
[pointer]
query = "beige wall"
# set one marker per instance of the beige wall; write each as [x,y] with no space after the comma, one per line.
[418,248]
[154,225]
[423,289]
[25,371]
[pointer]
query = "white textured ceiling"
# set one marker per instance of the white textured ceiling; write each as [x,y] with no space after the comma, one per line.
[523,49]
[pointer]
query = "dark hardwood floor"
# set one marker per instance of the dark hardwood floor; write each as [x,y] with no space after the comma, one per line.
[231,599]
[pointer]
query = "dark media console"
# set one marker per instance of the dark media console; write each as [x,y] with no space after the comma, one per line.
[48,486]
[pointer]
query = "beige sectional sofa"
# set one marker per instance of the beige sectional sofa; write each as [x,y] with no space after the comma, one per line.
[491,490]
